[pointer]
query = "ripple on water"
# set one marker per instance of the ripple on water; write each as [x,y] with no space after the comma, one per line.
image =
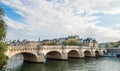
[88,64]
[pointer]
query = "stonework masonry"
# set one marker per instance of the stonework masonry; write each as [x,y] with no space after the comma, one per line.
[37,53]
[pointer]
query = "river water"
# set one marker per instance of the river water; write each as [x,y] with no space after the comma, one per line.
[87,64]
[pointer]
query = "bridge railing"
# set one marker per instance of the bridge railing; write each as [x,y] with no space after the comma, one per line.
[72,47]
[67,47]
[51,47]
[20,49]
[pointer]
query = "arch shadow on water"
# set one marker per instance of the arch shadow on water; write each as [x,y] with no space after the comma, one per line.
[50,65]
[87,64]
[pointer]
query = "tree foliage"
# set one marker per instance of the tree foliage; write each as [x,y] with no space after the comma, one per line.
[107,45]
[64,42]
[72,42]
[3,46]
[116,45]
[2,30]
[49,43]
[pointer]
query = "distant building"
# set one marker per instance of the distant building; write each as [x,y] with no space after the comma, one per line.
[22,43]
[89,42]
[73,37]
[80,41]
[60,40]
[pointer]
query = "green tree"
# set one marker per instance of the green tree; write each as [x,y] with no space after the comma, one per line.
[44,43]
[49,43]
[116,45]
[73,42]
[3,45]
[107,45]
[64,42]
[52,43]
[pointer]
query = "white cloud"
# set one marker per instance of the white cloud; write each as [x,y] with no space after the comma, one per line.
[13,24]
[57,19]
[117,26]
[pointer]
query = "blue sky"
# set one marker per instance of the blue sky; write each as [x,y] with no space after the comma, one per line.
[10,12]
[108,20]
[31,19]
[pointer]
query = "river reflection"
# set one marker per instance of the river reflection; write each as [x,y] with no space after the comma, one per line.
[87,64]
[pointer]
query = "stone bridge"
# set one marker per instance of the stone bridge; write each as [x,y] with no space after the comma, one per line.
[113,52]
[37,53]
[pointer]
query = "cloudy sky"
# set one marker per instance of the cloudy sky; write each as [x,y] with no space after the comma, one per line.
[31,19]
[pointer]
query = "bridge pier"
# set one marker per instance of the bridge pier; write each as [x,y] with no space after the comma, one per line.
[101,53]
[82,55]
[64,56]
[93,54]
[41,58]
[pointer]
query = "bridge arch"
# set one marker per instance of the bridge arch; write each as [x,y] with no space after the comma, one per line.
[53,55]
[27,56]
[74,54]
[87,53]
[97,53]
[104,52]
